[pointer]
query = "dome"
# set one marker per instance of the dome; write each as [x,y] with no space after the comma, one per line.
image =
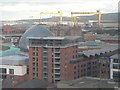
[34,31]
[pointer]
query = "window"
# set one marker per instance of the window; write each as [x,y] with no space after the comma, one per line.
[11,71]
[36,53]
[33,64]
[116,61]
[33,53]
[33,74]
[73,56]
[33,69]
[74,67]
[3,70]
[115,66]
[36,49]
[116,74]
[36,58]
[33,58]
[33,48]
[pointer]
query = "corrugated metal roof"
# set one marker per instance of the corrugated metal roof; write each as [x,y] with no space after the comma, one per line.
[106,48]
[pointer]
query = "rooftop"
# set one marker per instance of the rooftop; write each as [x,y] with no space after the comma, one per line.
[87,82]
[116,56]
[108,37]
[14,60]
[34,83]
[103,49]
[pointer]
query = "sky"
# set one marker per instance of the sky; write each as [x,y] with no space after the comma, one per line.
[29,9]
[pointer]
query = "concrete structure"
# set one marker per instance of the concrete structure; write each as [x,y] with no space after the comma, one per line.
[14,67]
[115,67]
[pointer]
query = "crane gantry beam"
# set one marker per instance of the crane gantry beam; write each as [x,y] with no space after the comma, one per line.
[59,12]
[97,12]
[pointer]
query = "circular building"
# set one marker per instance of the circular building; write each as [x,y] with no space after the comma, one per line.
[34,31]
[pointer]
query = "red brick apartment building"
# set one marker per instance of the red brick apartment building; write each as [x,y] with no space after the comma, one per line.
[58,58]
[50,57]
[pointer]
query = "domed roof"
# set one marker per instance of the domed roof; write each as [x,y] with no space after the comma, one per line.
[34,31]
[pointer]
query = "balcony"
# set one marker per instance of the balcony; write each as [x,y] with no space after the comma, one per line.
[57,73]
[56,67]
[45,66]
[57,51]
[57,63]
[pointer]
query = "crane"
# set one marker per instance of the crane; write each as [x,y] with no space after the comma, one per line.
[97,13]
[59,12]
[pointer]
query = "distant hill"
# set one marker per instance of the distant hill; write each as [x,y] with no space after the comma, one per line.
[107,16]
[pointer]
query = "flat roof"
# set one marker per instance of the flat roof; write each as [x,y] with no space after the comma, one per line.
[108,37]
[14,59]
[58,38]
[106,48]
[87,82]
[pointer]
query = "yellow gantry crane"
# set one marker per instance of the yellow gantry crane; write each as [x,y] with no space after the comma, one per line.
[97,12]
[59,12]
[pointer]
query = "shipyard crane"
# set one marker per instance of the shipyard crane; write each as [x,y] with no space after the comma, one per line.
[97,13]
[59,12]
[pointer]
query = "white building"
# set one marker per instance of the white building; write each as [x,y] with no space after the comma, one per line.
[13,67]
[115,67]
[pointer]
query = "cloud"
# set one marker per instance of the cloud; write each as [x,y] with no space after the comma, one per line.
[16,9]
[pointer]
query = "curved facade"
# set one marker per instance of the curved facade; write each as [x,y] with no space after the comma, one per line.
[34,31]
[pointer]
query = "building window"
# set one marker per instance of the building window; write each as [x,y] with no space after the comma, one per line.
[73,56]
[33,69]
[36,58]
[11,71]
[36,49]
[33,58]
[116,61]
[116,74]
[33,53]
[36,53]
[33,74]
[115,66]
[33,64]
[74,67]
[33,48]
[3,70]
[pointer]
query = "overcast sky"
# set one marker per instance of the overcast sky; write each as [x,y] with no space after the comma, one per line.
[24,9]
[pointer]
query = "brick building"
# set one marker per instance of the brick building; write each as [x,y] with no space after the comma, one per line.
[50,56]
[58,59]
